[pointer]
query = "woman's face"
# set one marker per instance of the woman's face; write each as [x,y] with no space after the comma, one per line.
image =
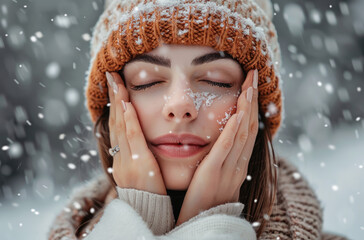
[181,99]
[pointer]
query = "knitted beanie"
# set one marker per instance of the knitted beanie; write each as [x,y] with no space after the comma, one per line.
[241,28]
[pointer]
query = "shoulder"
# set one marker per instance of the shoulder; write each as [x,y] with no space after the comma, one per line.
[295,190]
[290,176]
[85,204]
[297,211]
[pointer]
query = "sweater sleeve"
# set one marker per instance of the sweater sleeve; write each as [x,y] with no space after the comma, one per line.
[121,221]
[155,209]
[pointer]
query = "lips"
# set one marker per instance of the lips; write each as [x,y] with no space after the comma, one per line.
[186,139]
[178,151]
[179,146]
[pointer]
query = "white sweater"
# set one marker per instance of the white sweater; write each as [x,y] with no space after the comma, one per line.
[141,215]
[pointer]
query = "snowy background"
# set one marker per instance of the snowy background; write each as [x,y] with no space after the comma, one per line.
[45,135]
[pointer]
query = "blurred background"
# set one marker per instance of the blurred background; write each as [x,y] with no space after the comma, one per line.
[46,140]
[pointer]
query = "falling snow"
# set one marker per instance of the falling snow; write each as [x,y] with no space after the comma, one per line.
[48,144]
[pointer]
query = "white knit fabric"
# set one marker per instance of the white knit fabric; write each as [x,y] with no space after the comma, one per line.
[121,220]
[156,210]
[266,5]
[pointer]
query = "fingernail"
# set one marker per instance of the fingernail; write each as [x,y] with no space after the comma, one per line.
[240,116]
[255,81]
[109,78]
[115,87]
[111,81]
[124,105]
[249,94]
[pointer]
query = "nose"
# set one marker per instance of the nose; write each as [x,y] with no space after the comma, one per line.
[179,105]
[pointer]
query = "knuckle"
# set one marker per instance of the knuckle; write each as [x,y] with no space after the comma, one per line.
[254,127]
[120,126]
[227,144]
[131,133]
[243,137]
[111,122]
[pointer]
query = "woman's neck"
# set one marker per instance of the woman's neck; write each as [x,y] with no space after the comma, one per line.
[177,197]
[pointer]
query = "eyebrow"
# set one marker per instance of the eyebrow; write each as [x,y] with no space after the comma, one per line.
[165,62]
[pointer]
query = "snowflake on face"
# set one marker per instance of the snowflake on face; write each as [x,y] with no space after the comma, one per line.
[223,121]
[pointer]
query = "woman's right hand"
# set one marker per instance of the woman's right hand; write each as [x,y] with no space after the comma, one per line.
[134,166]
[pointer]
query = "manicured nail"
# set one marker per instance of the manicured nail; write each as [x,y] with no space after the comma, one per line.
[255,81]
[124,105]
[249,94]
[109,78]
[115,87]
[240,116]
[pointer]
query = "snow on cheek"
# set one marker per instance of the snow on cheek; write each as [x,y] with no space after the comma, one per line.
[224,120]
[228,113]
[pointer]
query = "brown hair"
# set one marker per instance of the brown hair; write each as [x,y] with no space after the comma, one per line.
[258,194]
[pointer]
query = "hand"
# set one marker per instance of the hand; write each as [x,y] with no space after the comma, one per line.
[134,166]
[218,178]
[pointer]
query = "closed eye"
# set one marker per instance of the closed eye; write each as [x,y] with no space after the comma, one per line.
[145,86]
[224,85]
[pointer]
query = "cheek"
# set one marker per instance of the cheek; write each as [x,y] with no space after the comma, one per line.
[221,111]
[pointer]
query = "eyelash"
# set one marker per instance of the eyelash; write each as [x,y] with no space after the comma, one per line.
[143,87]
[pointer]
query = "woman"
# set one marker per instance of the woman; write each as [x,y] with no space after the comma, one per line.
[184,139]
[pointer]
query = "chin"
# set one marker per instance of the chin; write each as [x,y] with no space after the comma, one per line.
[178,188]
[177,178]
[178,173]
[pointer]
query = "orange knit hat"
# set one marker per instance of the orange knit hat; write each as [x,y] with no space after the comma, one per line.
[242,28]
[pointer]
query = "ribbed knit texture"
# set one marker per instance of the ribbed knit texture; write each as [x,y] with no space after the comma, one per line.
[242,28]
[121,222]
[297,213]
[155,209]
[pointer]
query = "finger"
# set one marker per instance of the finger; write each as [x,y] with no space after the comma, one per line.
[134,133]
[241,137]
[120,126]
[245,155]
[112,117]
[223,144]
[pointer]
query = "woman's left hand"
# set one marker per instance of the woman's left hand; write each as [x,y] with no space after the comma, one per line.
[218,178]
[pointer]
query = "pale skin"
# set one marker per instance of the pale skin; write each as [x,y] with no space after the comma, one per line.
[218,171]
